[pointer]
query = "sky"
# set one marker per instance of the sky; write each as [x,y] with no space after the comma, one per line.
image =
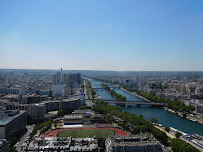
[117,35]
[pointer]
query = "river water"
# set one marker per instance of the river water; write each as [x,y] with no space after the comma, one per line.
[164,117]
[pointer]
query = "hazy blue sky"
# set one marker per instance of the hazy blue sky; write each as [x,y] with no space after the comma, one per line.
[102,34]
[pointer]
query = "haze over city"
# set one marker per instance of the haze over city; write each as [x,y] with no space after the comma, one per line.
[102,35]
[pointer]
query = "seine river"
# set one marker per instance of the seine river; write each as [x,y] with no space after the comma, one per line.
[164,117]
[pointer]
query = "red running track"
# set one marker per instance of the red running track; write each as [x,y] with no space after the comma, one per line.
[55,132]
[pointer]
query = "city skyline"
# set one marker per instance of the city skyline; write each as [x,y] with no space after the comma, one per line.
[102,35]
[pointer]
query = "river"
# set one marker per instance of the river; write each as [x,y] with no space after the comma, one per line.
[164,117]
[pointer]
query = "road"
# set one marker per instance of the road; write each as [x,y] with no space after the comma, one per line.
[85,90]
[24,138]
[189,142]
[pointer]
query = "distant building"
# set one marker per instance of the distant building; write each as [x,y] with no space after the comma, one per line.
[14,90]
[12,97]
[12,123]
[138,143]
[33,98]
[44,92]
[199,108]
[64,83]
[58,90]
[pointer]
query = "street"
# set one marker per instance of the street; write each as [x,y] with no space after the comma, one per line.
[23,140]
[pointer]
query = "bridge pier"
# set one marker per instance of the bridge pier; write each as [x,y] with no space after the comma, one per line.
[138,105]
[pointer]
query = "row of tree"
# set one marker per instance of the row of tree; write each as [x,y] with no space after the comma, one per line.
[140,125]
[90,90]
[44,126]
[114,93]
[126,87]
[179,145]
[175,105]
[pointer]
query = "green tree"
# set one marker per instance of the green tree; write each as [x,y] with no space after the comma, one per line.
[60,113]
[179,145]
[167,129]
[184,114]
[153,120]
[178,134]
[12,141]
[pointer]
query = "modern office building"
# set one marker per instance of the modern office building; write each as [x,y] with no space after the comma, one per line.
[36,111]
[12,123]
[138,143]
[58,90]
[63,84]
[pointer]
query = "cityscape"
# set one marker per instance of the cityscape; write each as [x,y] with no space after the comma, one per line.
[101,76]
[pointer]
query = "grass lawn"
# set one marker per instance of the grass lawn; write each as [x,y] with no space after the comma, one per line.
[99,133]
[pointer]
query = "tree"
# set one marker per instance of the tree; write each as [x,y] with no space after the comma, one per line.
[167,129]
[178,145]
[154,120]
[60,113]
[12,141]
[178,134]
[184,114]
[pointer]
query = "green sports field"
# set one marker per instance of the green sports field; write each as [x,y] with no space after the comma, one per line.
[99,133]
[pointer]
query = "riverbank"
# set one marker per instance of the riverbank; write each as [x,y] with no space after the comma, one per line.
[135,94]
[165,108]
[188,117]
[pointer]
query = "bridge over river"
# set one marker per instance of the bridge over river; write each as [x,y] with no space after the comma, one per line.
[112,87]
[128,103]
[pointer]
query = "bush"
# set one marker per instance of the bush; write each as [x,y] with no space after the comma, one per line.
[178,134]
[167,129]
[154,120]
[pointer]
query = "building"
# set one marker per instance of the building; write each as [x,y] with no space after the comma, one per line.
[87,113]
[73,119]
[36,111]
[12,123]
[65,104]
[68,144]
[12,97]
[57,78]
[4,145]
[199,108]
[15,90]
[138,143]
[44,92]
[64,83]
[33,98]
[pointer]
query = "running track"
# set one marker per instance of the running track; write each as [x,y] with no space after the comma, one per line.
[55,132]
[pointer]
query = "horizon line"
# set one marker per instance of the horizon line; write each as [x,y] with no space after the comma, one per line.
[108,70]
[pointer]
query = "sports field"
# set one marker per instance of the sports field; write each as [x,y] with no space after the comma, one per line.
[99,133]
